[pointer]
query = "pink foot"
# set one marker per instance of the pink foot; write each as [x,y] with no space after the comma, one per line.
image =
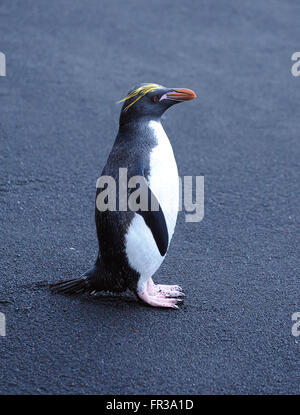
[156,296]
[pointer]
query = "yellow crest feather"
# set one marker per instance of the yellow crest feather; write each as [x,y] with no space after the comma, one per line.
[139,93]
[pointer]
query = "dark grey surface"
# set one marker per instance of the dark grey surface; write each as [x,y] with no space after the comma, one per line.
[68,62]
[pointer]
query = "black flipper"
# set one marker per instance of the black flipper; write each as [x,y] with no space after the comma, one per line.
[155,220]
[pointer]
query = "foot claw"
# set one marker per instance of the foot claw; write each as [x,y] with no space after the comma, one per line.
[171,294]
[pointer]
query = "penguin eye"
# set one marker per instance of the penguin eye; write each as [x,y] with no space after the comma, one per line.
[155,99]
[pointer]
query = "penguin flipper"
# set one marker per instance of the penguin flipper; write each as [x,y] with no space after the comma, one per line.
[156,222]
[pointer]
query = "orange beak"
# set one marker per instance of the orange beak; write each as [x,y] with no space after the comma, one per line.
[181,94]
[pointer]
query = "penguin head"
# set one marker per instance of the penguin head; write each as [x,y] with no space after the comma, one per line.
[151,101]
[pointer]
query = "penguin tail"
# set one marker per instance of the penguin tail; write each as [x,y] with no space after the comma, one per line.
[95,279]
[73,286]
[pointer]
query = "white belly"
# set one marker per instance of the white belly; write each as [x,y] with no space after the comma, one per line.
[141,249]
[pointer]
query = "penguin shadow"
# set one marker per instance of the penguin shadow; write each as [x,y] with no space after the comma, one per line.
[126,300]
[116,300]
[119,301]
[110,299]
